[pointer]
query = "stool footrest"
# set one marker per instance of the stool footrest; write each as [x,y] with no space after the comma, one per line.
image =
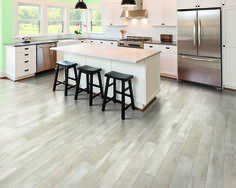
[126,108]
[96,95]
[111,84]
[121,93]
[72,78]
[95,85]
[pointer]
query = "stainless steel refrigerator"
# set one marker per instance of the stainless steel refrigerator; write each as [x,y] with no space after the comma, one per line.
[199,46]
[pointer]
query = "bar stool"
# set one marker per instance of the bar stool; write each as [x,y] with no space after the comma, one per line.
[123,78]
[66,65]
[89,71]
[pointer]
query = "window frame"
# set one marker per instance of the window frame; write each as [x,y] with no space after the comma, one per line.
[82,20]
[18,20]
[91,20]
[63,20]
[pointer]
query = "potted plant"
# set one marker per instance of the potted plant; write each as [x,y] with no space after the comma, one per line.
[78,31]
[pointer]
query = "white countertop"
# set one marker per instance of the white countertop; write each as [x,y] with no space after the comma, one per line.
[132,55]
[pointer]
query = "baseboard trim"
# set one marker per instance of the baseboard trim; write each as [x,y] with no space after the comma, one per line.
[2,74]
[168,76]
[230,88]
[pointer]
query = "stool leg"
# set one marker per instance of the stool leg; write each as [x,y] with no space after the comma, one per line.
[87,80]
[114,90]
[131,95]
[77,86]
[75,74]
[105,95]
[55,80]
[66,80]
[123,101]
[100,84]
[91,91]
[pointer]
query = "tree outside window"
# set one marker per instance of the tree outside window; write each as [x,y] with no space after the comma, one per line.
[75,18]
[96,20]
[55,20]
[28,19]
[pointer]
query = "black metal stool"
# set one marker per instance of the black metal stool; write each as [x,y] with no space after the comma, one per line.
[123,78]
[89,71]
[66,65]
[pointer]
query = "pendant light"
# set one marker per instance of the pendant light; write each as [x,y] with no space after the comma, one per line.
[81,5]
[128,3]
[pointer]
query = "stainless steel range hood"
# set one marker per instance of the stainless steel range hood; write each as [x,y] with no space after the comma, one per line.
[139,12]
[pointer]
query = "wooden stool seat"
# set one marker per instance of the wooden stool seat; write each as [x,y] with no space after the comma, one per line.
[90,72]
[66,65]
[123,78]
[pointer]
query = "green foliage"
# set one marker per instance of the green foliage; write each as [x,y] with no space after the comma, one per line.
[55,13]
[28,12]
[96,14]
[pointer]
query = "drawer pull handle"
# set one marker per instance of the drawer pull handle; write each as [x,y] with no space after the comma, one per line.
[101,42]
[167,48]
[26,70]
[91,41]
[26,54]
[26,48]
[82,41]
[26,61]
[150,46]
[112,43]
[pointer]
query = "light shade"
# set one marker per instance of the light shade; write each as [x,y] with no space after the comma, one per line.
[128,3]
[81,5]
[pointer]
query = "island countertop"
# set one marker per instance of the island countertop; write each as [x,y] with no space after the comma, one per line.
[132,55]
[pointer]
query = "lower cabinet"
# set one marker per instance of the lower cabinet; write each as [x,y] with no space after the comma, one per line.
[20,62]
[168,59]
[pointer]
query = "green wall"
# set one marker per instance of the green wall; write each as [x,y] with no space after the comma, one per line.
[6,23]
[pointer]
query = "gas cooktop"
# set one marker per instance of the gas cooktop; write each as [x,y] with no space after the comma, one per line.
[134,42]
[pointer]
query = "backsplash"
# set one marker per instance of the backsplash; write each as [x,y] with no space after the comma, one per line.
[136,27]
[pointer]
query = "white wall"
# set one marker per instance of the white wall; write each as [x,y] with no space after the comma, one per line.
[136,27]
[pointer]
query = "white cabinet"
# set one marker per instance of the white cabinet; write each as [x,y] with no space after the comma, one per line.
[189,4]
[168,58]
[20,62]
[162,12]
[111,12]
[229,49]
[229,3]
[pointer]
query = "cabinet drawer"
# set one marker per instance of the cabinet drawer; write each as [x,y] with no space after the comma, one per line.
[152,47]
[168,49]
[25,70]
[26,49]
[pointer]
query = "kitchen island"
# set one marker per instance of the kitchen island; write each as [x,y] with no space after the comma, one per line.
[143,64]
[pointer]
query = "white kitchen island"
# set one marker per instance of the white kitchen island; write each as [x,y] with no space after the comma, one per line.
[143,64]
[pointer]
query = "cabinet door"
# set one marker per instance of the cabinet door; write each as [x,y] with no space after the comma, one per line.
[229,67]
[210,3]
[229,3]
[170,13]
[155,12]
[169,60]
[187,4]
[229,27]
[116,13]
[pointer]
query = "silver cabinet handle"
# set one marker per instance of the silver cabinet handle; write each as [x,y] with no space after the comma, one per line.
[197,59]
[194,34]
[199,33]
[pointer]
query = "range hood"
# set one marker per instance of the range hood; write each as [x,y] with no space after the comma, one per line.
[139,12]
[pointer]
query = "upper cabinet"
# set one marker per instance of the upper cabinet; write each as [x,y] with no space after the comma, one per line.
[162,12]
[190,4]
[111,12]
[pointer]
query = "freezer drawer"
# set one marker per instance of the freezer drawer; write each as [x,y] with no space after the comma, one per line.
[200,70]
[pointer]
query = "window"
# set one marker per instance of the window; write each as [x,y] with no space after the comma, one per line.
[96,20]
[55,20]
[75,18]
[28,19]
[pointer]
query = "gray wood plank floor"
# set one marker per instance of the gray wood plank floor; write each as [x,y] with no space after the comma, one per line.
[187,138]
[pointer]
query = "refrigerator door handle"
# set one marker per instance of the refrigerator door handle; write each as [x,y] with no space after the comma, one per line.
[198,59]
[199,33]
[194,34]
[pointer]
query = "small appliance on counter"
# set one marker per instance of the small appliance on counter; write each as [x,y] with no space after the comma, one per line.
[166,38]
[26,39]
